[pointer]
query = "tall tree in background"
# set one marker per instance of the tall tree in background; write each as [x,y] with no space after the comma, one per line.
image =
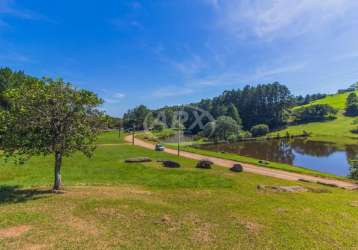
[136,118]
[264,104]
[234,114]
[50,117]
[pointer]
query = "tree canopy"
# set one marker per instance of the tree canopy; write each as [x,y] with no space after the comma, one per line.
[49,117]
[223,128]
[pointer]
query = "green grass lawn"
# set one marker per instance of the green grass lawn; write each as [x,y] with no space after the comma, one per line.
[107,203]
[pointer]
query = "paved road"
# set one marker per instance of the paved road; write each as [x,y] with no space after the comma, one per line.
[251,168]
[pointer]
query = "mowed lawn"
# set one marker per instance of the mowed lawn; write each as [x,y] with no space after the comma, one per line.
[107,203]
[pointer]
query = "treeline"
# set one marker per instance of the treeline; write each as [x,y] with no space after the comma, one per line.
[262,104]
[254,109]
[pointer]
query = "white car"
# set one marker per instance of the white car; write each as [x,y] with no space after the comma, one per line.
[159,147]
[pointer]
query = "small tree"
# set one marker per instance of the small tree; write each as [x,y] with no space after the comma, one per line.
[352,105]
[226,127]
[50,117]
[222,129]
[159,127]
[259,130]
[354,169]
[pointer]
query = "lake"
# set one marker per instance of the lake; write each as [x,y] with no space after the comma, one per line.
[320,156]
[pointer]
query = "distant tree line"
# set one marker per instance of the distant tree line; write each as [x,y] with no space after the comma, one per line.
[303,100]
[264,104]
[351,88]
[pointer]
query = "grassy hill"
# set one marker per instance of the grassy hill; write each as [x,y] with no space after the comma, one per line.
[338,130]
[109,204]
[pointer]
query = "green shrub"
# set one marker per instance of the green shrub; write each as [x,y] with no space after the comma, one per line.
[259,130]
[159,127]
[314,113]
[352,105]
[354,170]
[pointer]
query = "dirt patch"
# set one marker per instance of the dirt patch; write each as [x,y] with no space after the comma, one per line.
[11,232]
[252,227]
[203,232]
[281,210]
[83,226]
[35,247]
[105,192]
[354,204]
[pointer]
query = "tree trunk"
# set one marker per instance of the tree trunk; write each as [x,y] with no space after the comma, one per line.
[58,163]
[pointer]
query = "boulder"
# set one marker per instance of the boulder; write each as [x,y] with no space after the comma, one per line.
[138,160]
[204,163]
[237,168]
[289,189]
[170,164]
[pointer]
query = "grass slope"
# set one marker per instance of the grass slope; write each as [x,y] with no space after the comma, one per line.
[338,130]
[110,204]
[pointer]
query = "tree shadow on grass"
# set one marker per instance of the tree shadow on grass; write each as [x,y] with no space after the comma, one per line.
[13,194]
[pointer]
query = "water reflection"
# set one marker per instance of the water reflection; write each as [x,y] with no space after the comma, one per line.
[321,156]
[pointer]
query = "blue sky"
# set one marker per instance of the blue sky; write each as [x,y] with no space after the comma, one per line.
[164,52]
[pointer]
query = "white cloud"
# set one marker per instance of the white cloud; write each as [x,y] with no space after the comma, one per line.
[266,72]
[9,8]
[14,57]
[194,65]
[113,98]
[230,78]
[280,18]
[119,95]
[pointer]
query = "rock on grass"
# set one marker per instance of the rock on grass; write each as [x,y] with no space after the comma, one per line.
[169,164]
[138,160]
[205,164]
[237,168]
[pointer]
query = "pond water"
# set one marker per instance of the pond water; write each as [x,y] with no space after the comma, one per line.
[174,138]
[320,156]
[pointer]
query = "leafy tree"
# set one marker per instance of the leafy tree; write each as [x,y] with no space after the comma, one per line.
[159,126]
[314,113]
[233,113]
[352,105]
[136,118]
[222,129]
[208,130]
[50,117]
[11,79]
[259,130]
